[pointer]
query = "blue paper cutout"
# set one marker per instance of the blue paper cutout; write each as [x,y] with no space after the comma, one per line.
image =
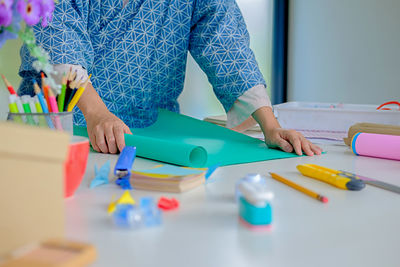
[101,175]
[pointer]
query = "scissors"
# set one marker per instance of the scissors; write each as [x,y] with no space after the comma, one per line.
[340,179]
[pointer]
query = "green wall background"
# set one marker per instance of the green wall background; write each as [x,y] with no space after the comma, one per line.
[9,65]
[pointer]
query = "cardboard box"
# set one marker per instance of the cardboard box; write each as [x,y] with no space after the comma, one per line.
[31,185]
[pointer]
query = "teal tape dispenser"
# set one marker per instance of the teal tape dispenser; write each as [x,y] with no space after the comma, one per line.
[254,201]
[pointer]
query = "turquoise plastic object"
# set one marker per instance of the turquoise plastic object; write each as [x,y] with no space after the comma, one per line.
[255,215]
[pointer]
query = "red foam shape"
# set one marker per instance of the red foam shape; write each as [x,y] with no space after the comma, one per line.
[167,204]
[75,165]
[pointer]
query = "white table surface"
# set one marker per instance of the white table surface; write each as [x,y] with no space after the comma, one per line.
[353,229]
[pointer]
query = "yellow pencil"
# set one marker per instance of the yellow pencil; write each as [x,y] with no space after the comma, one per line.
[78,95]
[299,188]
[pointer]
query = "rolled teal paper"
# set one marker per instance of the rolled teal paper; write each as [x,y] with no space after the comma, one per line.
[182,140]
[167,151]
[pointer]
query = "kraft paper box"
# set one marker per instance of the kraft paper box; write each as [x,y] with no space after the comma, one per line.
[31,185]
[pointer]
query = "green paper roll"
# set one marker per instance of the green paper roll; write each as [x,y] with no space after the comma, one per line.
[182,140]
[166,151]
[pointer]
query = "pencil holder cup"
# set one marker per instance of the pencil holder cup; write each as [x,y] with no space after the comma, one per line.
[61,121]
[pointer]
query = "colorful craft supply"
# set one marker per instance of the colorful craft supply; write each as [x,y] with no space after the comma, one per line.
[167,204]
[333,177]
[43,103]
[61,97]
[27,109]
[13,107]
[376,145]
[8,85]
[122,169]
[101,175]
[299,188]
[54,108]
[126,198]
[78,95]
[254,200]
[374,182]
[46,92]
[128,214]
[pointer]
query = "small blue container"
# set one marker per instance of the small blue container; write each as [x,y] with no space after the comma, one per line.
[254,201]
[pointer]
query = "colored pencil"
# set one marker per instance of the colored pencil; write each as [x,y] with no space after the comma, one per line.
[8,85]
[73,85]
[27,109]
[42,121]
[299,188]
[14,108]
[54,109]
[69,89]
[43,103]
[61,97]
[45,91]
[78,95]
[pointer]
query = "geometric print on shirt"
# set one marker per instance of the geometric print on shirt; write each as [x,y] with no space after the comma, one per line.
[137,53]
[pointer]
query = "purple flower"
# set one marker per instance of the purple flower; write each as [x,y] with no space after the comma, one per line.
[30,11]
[5,13]
[47,7]
[6,3]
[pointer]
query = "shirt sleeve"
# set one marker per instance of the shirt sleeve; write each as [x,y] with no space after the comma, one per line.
[63,69]
[220,44]
[246,104]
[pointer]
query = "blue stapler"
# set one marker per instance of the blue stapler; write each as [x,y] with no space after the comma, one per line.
[122,170]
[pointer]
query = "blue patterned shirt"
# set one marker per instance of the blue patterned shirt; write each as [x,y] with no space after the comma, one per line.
[137,53]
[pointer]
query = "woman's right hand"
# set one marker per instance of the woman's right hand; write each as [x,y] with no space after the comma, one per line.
[106,131]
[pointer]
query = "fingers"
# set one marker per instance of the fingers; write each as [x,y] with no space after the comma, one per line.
[285,145]
[316,149]
[127,130]
[119,136]
[295,140]
[110,138]
[92,139]
[100,139]
[306,145]
[289,140]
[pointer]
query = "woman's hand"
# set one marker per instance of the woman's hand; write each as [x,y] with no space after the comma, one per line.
[287,140]
[106,132]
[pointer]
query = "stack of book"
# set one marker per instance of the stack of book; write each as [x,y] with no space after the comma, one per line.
[168,178]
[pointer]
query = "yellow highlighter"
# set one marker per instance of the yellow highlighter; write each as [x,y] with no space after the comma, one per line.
[336,178]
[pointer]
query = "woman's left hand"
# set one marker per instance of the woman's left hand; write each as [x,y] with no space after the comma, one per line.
[289,140]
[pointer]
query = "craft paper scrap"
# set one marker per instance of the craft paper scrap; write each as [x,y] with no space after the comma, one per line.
[101,175]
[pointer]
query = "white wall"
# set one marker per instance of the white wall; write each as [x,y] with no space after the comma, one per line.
[344,51]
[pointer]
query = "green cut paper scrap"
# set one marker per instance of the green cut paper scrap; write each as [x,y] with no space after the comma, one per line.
[185,141]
